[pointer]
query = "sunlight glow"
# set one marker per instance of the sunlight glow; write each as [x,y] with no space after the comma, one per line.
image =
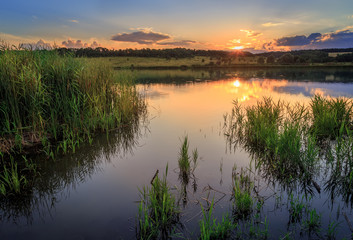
[238,47]
[236,83]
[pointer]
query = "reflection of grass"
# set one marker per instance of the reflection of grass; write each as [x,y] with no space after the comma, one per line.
[13,180]
[158,212]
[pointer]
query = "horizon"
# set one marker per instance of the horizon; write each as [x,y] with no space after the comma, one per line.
[259,26]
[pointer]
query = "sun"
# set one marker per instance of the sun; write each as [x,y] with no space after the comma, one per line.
[238,47]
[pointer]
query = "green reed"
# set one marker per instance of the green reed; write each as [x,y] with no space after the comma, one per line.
[158,212]
[48,99]
[211,229]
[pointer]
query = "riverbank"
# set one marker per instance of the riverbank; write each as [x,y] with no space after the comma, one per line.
[50,103]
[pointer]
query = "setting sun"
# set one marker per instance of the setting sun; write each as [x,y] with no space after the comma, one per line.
[238,48]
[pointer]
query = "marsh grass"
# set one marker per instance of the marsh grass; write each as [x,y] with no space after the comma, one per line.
[56,102]
[330,116]
[242,200]
[210,229]
[158,212]
[187,164]
[15,179]
[277,136]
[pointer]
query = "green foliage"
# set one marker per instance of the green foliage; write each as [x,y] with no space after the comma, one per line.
[47,98]
[210,229]
[243,201]
[14,179]
[185,161]
[313,221]
[158,212]
[330,116]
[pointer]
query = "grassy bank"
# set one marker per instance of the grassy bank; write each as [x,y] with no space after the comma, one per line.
[51,103]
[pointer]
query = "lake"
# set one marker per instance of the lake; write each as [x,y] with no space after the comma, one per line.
[94,192]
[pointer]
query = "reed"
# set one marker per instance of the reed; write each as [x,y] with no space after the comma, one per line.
[158,212]
[211,229]
[56,102]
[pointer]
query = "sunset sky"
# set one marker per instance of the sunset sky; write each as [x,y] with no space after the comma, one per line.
[255,25]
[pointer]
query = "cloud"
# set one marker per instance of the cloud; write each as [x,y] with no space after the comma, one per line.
[251,34]
[271,24]
[40,45]
[73,21]
[79,44]
[181,43]
[142,36]
[298,40]
[339,39]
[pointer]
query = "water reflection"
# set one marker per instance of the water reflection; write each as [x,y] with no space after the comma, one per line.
[327,74]
[58,178]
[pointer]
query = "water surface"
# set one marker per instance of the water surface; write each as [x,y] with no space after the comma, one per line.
[93,193]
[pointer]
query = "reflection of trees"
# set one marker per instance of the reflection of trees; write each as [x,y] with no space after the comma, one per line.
[292,74]
[57,178]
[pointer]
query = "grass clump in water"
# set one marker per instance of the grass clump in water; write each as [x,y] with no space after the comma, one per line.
[187,165]
[210,229]
[243,201]
[158,212]
[329,115]
[50,100]
[14,180]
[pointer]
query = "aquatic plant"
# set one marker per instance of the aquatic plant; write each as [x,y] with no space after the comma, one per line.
[158,212]
[14,180]
[329,115]
[55,102]
[242,199]
[211,229]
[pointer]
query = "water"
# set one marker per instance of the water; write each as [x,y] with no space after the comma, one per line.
[93,193]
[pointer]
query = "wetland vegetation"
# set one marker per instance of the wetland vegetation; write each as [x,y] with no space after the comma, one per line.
[285,167]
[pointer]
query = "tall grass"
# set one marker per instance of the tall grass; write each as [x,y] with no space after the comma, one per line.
[47,98]
[158,212]
[210,229]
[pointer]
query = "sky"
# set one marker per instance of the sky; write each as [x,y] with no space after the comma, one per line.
[253,25]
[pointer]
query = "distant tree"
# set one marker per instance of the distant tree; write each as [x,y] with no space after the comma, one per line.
[270,59]
[286,59]
[261,60]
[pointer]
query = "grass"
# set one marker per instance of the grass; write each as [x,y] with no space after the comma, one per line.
[297,206]
[277,136]
[330,116]
[210,229]
[57,102]
[13,179]
[158,212]
[243,201]
[187,164]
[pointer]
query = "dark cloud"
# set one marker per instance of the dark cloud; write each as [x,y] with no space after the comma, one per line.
[79,44]
[181,43]
[298,40]
[40,45]
[338,39]
[141,37]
